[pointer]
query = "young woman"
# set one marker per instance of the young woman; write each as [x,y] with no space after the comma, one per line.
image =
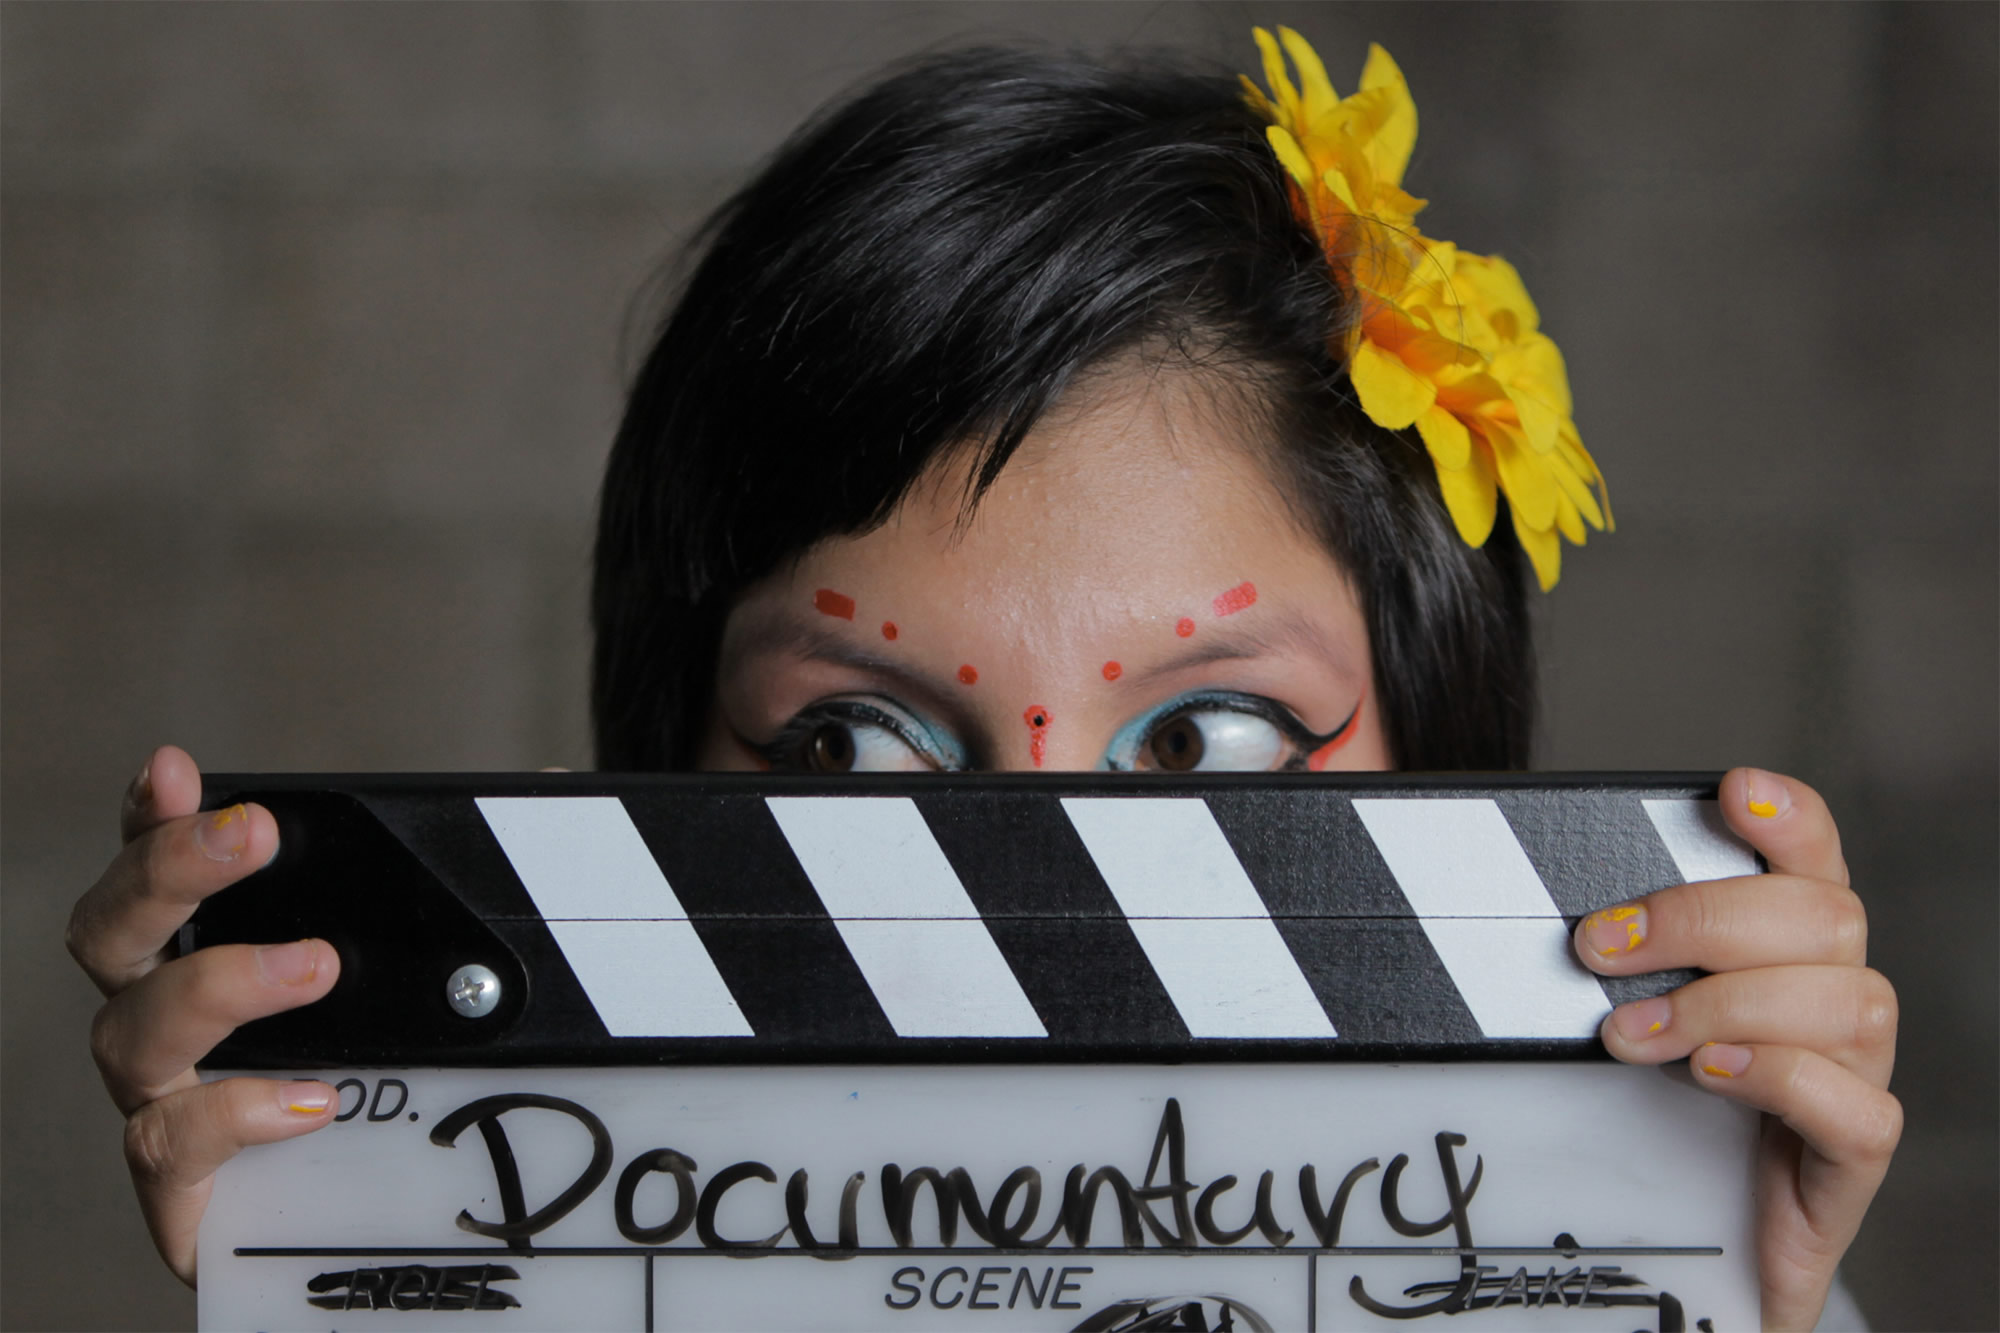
[1030,413]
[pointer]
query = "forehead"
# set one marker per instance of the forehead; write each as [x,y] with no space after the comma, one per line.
[1125,501]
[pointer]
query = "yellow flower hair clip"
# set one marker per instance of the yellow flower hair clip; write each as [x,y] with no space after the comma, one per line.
[1446,340]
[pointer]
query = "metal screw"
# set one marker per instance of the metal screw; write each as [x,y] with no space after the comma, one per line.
[473,990]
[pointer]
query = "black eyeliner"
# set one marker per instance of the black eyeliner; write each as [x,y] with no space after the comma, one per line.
[1303,741]
[782,750]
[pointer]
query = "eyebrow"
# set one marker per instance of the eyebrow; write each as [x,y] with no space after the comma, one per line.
[1278,634]
[781,632]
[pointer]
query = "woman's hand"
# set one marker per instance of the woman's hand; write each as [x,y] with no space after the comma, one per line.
[1792,1021]
[162,1014]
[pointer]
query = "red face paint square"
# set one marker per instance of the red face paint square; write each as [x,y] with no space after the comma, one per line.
[830,603]
[1238,597]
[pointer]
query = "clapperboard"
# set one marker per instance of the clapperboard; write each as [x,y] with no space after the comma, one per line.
[1049,1052]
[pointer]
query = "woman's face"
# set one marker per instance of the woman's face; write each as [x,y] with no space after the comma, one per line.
[1132,593]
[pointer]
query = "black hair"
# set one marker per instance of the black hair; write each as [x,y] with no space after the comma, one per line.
[924,268]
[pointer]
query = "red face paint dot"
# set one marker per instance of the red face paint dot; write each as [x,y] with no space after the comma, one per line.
[968,676]
[1238,597]
[1112,671]
[1185,628]
[830,603]
[1037,718]
[889,629]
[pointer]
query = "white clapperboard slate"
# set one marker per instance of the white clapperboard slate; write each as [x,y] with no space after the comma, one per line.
[975,1053]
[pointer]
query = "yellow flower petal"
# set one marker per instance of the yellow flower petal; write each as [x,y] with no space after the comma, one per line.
[1320,99]
[1393,205]
[1568,521]
[1275,77]
[1539,421]
[1397,137]
[1255,97]
[1449,442]
[1423,350]
[1570,447]
[1496,286]
[1576,491]
[1540,363]
[1470,496]
[1524,475]
[1336,182]
[1391,393]
[1544,549]
[1290,155]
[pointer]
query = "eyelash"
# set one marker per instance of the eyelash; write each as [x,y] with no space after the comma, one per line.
[1294,731]
[782,750]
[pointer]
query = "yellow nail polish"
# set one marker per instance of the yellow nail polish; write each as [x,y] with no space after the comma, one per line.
[224,834]
[1761,809]
[1615,930]
[1719,1060]
[305,1098]
[1642,1020]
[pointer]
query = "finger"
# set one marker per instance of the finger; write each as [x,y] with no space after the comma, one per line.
[1811,1198]
[168,786]
[119,928]
[1721,925]
[1847,1014]
[1785,820]
[153,1032]
[174,1145]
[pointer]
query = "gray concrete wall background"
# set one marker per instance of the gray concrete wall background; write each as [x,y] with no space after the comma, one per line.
[309,355]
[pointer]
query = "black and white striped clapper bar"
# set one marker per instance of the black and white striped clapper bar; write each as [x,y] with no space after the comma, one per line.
[1077,1052]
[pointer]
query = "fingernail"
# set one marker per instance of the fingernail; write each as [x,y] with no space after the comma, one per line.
[291,964]
[305,1098]
[142,786]
[1615,930]
[1642,1019]
[1723,1061]
[1765,795]
[223,834]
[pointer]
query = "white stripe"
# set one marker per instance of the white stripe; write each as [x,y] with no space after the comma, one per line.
[615,917]
[1459,864]
[650,979]
[905,917]
[580,858]
[1703,847]
[1204,928]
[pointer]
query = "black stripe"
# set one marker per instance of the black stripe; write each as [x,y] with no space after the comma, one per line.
[1308,854]
[1594,849]
[1591,848]
[1379,980]
[1339,911]
[1057,925]
[758,916]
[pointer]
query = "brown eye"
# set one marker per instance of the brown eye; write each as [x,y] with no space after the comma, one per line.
[1177,747]
[830,749]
